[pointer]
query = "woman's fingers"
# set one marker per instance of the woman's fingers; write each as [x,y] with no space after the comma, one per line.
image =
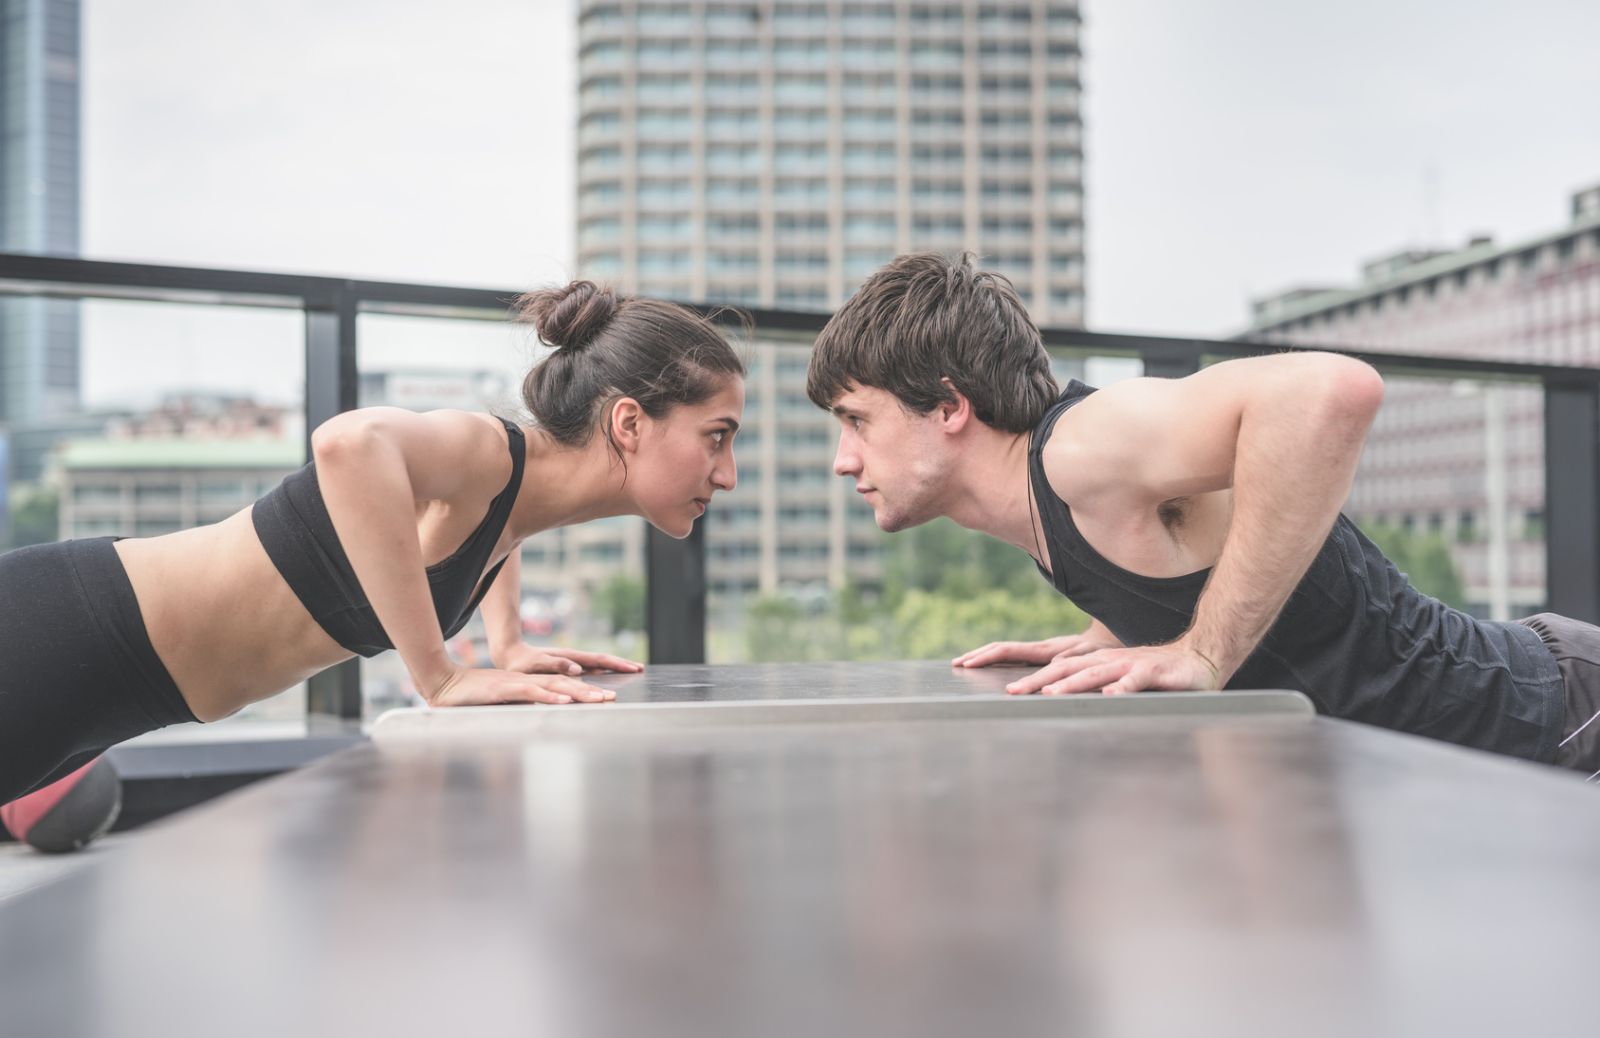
[575,690]
[599,660]
[547,664]
[479,687]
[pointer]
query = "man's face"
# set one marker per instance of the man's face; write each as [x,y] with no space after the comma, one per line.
[896,458]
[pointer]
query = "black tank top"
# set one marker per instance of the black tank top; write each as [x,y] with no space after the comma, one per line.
[1354,636]
[292,522]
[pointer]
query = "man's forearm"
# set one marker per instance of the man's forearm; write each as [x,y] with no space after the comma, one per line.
[1296,459]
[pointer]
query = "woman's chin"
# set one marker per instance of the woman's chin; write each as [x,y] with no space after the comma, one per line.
[677,529]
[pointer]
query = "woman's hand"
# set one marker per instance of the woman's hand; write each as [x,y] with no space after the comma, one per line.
[533,659]
[479,686]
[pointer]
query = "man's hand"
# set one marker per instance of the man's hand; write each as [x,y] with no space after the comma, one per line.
[1115,671]
[530,659]
[1038,652]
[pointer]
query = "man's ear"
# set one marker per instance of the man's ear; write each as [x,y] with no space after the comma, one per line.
[627,424]
[954,414]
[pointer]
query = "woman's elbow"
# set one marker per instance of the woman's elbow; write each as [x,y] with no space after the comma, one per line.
[343,439]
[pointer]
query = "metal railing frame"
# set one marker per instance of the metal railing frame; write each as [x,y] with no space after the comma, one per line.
[675,570]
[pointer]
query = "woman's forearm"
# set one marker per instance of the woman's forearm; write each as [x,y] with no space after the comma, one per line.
[502,608]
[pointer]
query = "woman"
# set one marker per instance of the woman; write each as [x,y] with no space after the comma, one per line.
[400,526]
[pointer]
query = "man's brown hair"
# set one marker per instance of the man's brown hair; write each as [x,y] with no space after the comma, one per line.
[927,317]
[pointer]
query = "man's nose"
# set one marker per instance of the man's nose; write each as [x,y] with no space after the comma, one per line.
[845,462]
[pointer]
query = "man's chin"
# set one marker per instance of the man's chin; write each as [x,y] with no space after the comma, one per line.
[888,522]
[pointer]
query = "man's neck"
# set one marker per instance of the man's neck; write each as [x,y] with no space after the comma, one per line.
[991,493]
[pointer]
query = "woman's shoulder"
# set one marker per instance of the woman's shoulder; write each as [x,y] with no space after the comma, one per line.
[445,450]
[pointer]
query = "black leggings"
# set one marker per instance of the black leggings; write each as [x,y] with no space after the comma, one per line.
[77,671]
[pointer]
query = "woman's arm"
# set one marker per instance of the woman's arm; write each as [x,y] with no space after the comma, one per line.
[374,465]
[502,609]
[502,622]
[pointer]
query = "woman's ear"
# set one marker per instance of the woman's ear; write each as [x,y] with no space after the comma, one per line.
[627,424]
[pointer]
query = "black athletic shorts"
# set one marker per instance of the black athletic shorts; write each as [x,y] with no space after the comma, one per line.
[1576,647]
[77,671]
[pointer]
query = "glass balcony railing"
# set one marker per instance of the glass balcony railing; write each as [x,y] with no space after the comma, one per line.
[166,428]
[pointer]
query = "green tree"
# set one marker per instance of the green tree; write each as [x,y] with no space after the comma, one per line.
[1425,560]
[941,556]
[621,601]
[937,625]
[35,516]
[779,629]
[945,590]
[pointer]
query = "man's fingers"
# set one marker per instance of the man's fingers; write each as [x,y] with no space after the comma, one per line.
[971,659]
[1040,678]
[1089,679]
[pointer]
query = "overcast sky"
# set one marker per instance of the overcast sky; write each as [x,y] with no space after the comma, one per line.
[1233,147]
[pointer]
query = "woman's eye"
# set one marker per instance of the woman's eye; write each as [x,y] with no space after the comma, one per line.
[718,436]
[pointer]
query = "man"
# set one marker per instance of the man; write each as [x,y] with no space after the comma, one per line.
[1197,520]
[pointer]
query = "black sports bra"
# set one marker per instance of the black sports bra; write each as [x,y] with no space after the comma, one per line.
[292,522]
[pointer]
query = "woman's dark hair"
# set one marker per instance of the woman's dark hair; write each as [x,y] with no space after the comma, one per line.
[927,317]
[607,347]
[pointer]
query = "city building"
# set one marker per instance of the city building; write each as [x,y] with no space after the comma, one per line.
[1463,459]
[191,460]
[777,152]
[39,207]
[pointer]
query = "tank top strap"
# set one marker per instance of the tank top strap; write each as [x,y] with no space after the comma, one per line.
[1059,529]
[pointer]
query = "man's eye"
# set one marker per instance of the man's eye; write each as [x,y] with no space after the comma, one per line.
[718,436]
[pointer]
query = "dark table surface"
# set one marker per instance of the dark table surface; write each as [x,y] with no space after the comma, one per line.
[1226,873]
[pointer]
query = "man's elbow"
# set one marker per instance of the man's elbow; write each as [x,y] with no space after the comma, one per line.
[1351,390]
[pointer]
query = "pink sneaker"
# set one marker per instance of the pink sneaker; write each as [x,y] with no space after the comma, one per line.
[69,812]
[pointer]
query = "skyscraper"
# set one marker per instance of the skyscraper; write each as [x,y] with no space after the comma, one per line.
[39,203]
[776,152]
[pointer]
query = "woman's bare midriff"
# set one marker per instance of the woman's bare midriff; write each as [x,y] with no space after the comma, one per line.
[222,618]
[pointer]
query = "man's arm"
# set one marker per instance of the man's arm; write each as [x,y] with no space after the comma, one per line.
[1285,432]
[1093,638]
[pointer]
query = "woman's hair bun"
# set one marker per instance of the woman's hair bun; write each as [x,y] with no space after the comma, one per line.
[569,317]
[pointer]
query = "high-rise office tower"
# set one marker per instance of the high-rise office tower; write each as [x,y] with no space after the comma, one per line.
[39,196]
[776,152]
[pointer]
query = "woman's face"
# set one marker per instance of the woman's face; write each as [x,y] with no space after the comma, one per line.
[685,458]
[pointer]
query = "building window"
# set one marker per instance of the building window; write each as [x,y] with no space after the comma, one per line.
[603,264]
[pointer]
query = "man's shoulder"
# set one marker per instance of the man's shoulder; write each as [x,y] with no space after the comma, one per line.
[1080,452]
